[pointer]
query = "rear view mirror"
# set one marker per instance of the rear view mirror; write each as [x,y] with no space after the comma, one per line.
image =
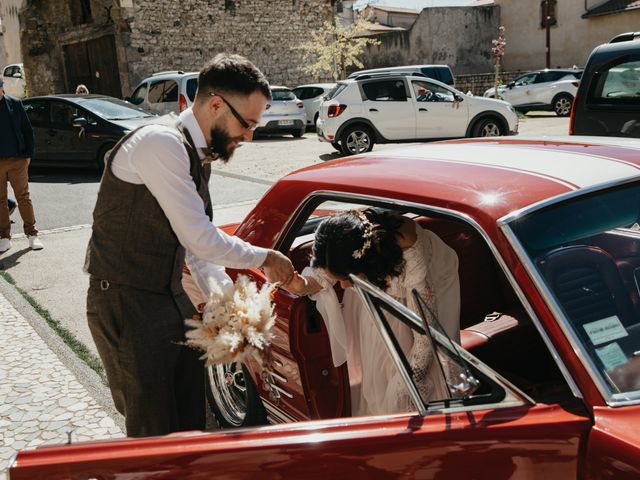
[80,122]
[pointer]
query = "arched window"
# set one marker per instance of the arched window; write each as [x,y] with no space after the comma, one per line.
[80,11]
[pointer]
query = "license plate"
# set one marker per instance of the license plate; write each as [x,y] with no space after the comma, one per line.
[285,123]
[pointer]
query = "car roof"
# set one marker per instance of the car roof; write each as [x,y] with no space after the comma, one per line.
[278,87]
[320,85]
[483,178]
[170,75]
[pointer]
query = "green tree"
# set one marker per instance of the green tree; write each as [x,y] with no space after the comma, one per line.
[333,48]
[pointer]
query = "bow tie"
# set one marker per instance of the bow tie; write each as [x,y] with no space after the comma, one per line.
[209,155]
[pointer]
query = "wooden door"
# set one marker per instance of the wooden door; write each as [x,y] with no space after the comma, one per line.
[94,64]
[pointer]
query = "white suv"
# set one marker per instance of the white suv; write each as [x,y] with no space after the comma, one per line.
[407,107]
[166,92]
[14,81]
[542,90]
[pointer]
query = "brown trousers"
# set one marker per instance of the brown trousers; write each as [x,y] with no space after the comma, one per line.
[15,170]
[156,383]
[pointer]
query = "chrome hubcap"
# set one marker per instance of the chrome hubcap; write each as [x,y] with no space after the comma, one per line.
[358,142]
[490,130]
[229,392]
[563,106]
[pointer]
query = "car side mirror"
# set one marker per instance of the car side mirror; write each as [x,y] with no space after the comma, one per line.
[80,122]
[458,98]
[511,84]
[17,75]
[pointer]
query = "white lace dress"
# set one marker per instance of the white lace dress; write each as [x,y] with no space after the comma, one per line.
[431,267]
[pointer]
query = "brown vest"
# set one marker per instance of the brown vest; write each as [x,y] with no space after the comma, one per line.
[132,241]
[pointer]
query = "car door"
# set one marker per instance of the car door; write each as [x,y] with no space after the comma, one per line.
[439,114]
[40,118]
[68,144]
[541,90]
[12,77]
[387,104]
[519,91]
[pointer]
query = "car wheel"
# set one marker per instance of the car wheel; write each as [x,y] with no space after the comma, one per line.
[356,139]
[233,397]
[103,156]
[337,146]
[298,133]
[562,105]
[488,127]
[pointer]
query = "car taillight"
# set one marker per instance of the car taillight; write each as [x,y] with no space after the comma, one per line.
[573,114]
[336,109]
[575,84]
[300,105]
[183,103]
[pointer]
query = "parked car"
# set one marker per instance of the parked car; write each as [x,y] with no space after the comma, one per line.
[608,99]
[285,114]
[551,89]
[311,96]
[76,130]
[387,108]
[13,77]
[165,92]
[547,239]
[441,73]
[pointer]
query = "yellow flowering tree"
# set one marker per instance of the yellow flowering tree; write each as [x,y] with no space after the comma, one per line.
[333,48]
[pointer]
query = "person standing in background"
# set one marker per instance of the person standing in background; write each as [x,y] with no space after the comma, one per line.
[16,149]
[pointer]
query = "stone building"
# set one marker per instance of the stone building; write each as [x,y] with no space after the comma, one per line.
[576,28]
[110,45]
[457,36]
[10,32]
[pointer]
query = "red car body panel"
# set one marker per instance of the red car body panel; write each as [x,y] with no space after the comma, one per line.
[583,438]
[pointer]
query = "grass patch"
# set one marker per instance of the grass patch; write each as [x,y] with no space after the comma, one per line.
[520,114]
[67,337]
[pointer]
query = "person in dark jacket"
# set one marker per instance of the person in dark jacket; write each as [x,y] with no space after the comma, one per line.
[16,149]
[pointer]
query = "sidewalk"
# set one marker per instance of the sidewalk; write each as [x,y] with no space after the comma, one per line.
[42,398]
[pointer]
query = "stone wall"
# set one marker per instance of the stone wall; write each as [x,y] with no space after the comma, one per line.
[457,36]
[479,83]
[156,35]
[183,35]
[10,32]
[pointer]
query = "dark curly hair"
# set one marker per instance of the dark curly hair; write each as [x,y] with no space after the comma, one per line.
[339,236]
[230,73]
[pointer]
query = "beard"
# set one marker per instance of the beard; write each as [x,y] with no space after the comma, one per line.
[223,144]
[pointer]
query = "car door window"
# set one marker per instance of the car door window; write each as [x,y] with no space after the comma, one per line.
[163,91]
[192,88]
[7,72]
[139,95]
[38,113]
[430,92]
[526,80]
[62,115]
[617,83]
[301,93]
[385,91]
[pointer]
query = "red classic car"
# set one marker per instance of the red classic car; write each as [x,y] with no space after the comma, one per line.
[547,234]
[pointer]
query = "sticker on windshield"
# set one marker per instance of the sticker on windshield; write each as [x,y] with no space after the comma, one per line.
[611,356]
[605,330]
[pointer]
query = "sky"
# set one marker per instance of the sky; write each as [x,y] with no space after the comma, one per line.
[416,4]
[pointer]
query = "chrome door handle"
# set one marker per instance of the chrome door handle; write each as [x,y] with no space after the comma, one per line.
[373,109]
[423,110]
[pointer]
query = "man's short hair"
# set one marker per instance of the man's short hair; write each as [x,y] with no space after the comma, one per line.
[228,73]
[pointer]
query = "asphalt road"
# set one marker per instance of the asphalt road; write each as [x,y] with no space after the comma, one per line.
[64,199]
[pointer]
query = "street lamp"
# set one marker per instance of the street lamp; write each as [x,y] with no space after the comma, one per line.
[547,25]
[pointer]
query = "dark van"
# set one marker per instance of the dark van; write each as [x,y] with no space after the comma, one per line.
[441,73]
[608,98]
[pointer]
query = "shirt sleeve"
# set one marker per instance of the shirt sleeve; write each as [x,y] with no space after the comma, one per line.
[162,163]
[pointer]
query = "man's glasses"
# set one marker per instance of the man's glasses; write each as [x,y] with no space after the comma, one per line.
[246,125]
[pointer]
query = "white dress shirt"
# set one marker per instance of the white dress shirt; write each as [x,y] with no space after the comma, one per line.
[156,157]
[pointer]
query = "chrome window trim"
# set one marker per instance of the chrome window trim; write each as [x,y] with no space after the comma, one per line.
[340,195]
[510,217]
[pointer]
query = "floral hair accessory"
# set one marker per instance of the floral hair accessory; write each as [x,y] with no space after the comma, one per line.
[367,235]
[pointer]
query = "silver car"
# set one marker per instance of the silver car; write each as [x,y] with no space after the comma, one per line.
[285,114]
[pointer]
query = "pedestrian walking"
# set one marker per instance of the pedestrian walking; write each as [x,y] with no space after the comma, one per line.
[16,150]
[154,203]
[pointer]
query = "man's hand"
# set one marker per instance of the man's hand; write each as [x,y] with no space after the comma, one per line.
[277,267]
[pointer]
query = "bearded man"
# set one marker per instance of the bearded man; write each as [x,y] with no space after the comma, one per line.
[154,203]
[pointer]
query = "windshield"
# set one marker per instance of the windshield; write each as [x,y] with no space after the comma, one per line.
[587,252]
[280,95]
[335,91]
[113,109]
